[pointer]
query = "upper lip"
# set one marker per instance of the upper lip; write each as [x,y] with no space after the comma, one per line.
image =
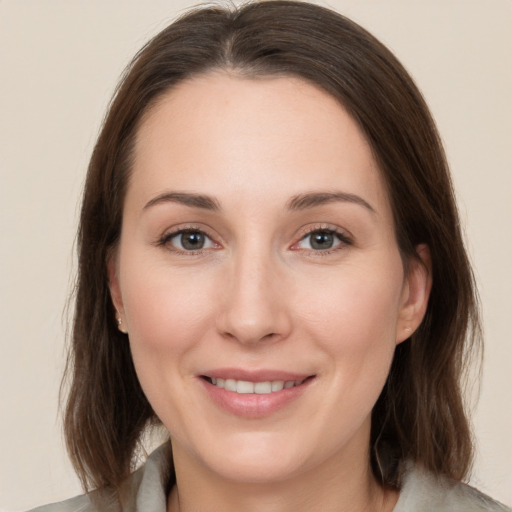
[262,375]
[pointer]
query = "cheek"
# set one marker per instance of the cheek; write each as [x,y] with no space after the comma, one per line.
[165,309]
[168,313]
[353,318]
[357,309]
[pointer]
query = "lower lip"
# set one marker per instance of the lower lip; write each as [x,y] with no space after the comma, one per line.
[253,405]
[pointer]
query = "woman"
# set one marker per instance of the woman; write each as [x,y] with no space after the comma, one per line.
[271,266]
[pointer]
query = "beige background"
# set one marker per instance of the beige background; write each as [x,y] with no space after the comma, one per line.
[59,63]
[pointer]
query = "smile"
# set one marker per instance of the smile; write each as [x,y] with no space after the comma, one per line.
[259,388]
[254,394]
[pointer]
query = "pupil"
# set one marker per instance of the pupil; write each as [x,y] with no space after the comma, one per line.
[322,240]
[192,240]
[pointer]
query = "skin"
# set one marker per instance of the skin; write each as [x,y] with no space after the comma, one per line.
[258,295]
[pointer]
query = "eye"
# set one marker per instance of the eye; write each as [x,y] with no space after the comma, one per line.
[322,240]
[188,240]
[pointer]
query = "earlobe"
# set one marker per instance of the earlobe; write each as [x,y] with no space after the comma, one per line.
[416,293]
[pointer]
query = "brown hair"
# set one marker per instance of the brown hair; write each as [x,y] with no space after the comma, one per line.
[420,413]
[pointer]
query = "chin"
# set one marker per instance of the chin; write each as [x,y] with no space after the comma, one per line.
[258,458]
[260,469]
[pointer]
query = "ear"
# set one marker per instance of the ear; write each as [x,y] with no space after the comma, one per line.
[415,293]
[115,290]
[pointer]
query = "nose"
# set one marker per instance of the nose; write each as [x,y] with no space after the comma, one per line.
[254,306]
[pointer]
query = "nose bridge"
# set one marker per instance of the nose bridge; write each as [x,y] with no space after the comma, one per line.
[254,308]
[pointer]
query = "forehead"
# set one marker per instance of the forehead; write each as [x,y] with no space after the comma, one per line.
[238,135]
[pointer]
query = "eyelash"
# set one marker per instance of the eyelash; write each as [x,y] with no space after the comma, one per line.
[164,241]
[341,236]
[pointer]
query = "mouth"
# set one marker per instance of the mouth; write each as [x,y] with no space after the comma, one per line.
[245,387]
[255,394]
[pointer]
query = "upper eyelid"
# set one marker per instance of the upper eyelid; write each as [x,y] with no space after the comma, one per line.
[176,230]
[174,234]
[324,227]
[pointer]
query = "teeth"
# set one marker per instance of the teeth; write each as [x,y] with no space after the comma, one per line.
[277,385]
[263,388]
[260,388]
[230,384]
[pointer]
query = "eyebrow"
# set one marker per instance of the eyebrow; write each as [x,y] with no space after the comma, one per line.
[312,199]
[296,203]
[186,198]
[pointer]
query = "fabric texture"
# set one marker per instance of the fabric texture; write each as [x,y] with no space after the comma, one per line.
[421,492]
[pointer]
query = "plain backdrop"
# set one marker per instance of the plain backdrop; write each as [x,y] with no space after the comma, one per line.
[59,63]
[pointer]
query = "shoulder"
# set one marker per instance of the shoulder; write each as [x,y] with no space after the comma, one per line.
[143,490]
[77,504]
[424,492]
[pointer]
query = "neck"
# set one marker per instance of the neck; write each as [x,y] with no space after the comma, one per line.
[334,487]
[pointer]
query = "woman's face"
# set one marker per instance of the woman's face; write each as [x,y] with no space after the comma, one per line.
[259,277]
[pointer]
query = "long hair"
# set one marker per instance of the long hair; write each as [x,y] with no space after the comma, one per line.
[420,414]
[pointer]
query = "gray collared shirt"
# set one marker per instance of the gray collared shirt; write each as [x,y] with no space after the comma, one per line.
[421,492]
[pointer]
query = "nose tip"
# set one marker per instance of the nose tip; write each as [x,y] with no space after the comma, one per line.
[248,334]
[253,321]
[251,324]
